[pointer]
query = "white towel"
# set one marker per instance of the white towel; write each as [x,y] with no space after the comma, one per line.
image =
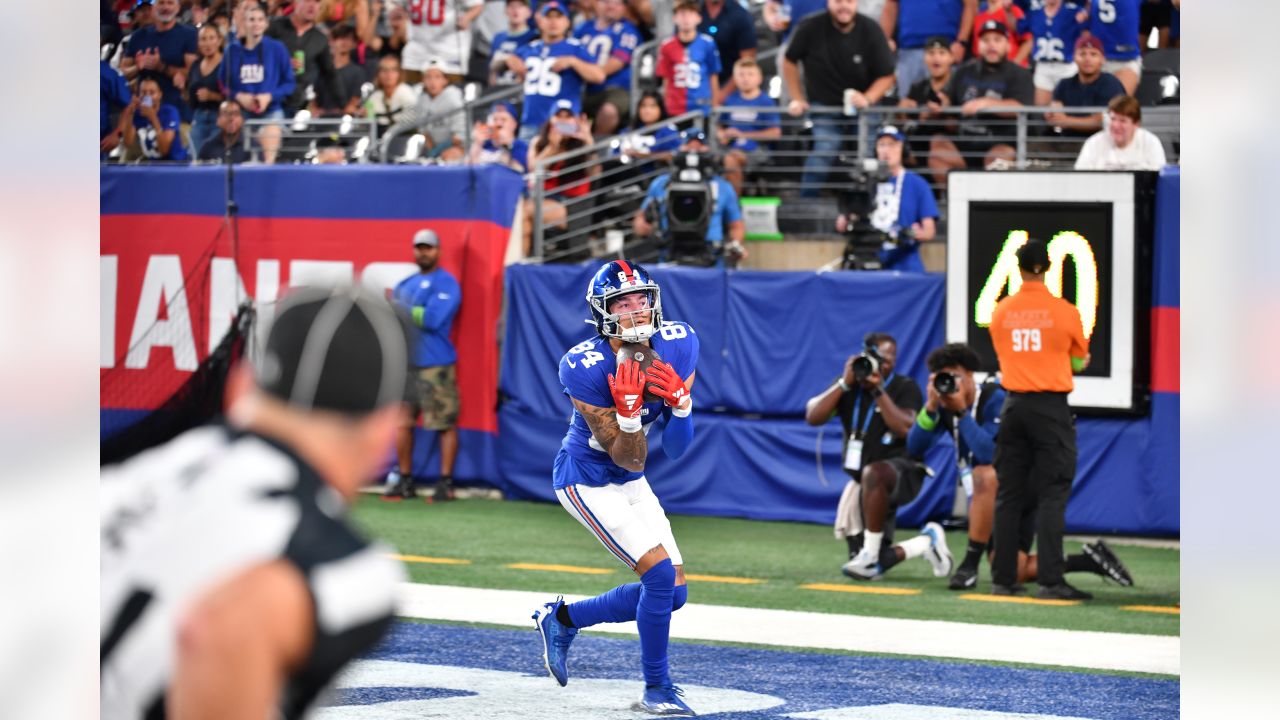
[849,511]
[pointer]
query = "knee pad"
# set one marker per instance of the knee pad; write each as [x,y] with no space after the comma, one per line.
[679,596]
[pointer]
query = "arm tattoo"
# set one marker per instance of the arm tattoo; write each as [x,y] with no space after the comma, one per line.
[628,450]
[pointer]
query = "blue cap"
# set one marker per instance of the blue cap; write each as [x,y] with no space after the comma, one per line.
[693,134]
[140,3]
[505,107]
[891,131]
[565,104]
[550,5]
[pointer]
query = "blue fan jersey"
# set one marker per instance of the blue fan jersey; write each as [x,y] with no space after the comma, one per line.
[1055,37]
[750,120]
[618,40]
[584,373]
[1115,22]
[505,43]
[544,86]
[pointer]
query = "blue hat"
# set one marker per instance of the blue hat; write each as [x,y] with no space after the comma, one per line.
[550,5]
[891,131]
[565,104]
[505,107]
[693,134]
[140,3]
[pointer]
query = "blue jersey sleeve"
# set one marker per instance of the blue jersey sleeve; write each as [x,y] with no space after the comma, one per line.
[678,345]
[439,302]
[920,441]
[170,120]
[583,377]
[713,57]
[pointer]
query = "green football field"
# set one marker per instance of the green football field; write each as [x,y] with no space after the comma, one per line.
[475,543]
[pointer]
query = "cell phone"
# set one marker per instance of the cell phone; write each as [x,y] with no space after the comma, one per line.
[147,102]
[567,127]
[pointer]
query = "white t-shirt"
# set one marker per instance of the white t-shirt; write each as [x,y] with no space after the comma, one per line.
[1100,152]
[433,32]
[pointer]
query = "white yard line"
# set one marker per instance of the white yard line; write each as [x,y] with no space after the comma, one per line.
[789,628]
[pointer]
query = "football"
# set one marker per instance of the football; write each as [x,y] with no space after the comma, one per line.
[644,355]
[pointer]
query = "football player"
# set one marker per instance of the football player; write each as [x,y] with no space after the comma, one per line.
[971,415]
[599,472]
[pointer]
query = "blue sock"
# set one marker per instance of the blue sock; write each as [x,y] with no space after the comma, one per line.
[681,595]
[653,620]
[617,605]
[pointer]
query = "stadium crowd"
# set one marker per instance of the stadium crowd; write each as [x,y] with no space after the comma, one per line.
[518,81]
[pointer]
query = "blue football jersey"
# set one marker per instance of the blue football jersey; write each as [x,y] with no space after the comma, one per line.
[1115,22]
[1055,38]
[504,43]
[544,86]
[584,373]
[748,120]
[618,40]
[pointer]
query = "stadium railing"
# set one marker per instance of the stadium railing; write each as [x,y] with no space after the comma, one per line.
[472,111]
[299,136]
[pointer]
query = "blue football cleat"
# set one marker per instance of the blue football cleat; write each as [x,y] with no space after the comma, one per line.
[556,639]
[664,700]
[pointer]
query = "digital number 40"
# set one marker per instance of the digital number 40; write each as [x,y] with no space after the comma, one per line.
[1004,272]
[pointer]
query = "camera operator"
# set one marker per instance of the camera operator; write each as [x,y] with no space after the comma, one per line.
[901,214]
[877,408]
[690,208]
[957,406]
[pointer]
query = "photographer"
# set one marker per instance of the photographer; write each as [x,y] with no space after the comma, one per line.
[903,212]
[971,415]
[702,203]
[876,409]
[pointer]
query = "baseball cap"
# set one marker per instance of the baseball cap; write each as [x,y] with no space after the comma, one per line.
[565,104]
[140,3]
[937,41]
[550,5]
[1090,41]
[993,26]
[426,236]
[331,140]
[693,134]
[436,63]
[1033,257]
[505,107]
[342,349]
[891,131]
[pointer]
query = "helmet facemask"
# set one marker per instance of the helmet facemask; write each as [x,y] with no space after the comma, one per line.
[635,329]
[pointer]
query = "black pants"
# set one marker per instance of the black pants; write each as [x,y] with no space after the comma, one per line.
[1035,464]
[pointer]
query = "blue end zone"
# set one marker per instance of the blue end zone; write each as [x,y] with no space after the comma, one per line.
[806,681]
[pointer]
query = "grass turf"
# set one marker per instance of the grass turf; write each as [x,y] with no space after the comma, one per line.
[492,534]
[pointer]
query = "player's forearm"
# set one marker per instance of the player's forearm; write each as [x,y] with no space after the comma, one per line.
[629,450]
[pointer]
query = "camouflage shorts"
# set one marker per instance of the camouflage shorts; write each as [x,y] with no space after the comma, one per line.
[438,397]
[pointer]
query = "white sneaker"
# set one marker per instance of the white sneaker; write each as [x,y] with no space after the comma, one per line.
[938,554]
[863,566]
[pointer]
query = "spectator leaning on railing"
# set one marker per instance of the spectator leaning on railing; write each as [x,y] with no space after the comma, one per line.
[1055,26]
[437,115]
[1123,144]
[978,87]
[1090,87]
[733,30]
[611,39]
[908,24]
[752,118]
[929,95]
[839,51]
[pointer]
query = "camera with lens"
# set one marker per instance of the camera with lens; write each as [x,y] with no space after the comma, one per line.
[862,251]
[866,364]
[690,199]
[946,383]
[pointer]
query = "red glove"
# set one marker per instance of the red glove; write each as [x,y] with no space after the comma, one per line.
[628,390]
[665,382]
